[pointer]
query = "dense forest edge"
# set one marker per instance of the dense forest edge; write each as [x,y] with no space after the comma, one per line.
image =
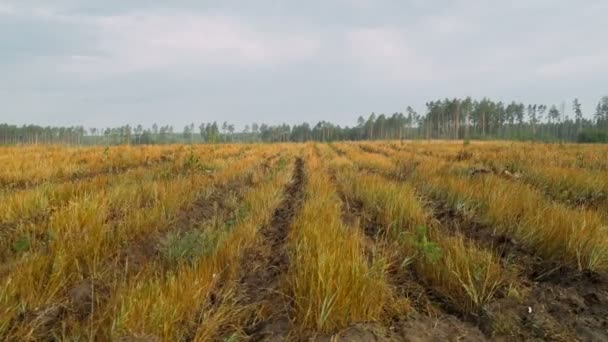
[444,119]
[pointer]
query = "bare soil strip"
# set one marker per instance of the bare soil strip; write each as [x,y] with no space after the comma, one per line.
[403,280]
[263,265]
[369,149]
[215,297]
[560,303]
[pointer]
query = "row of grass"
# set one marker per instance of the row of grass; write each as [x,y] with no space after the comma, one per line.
[176,303]
[27,216]
[570,179]
[572,237]
[332,283]
[518,154]
[87,232]
[459,271]
[31,166]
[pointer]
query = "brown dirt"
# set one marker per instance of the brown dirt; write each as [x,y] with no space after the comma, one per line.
[417,328]
[558,303]
[370,149]
[444,328]
[357,333]
[338,151]
[215,298]
[45,323]
[264,263]
[42,322]
[463,155]
[145,338]
[9,235]
[85,297]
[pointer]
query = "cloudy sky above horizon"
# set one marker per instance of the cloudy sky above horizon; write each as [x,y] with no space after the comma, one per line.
[113,62]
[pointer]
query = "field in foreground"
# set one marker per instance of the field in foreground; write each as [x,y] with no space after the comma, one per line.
[415,241]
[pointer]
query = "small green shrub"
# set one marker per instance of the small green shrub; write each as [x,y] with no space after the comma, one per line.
[22,244]
[193,162]
[426,248]
[282,163]
[188,247]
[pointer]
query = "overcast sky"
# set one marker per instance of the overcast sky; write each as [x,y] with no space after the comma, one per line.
[112,62]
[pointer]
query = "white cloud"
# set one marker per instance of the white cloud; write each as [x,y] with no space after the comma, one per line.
[233,59]
[449,24]
[387,51]
[6,9]
[575,67]
[139,42]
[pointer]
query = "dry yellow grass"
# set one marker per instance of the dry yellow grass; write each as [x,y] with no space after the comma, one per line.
[460,271]
[153,242]
[575,237]
[86,232]
[332,283]
[175,303]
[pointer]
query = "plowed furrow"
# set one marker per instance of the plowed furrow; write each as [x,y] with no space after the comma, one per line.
[267,261]
[559,302]
[431,310]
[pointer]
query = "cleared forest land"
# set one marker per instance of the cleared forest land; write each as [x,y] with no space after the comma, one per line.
[365,241]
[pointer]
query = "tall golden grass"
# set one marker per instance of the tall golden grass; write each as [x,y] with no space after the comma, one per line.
[175,303]
[121,225]
[332,283]
[458,270]
[557,232]
[84,233]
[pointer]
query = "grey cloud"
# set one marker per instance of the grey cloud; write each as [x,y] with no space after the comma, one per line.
[112,62]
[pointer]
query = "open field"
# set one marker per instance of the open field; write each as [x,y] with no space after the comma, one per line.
[382,241]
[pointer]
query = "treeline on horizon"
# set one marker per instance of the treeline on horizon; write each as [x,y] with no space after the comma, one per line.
[444,119]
